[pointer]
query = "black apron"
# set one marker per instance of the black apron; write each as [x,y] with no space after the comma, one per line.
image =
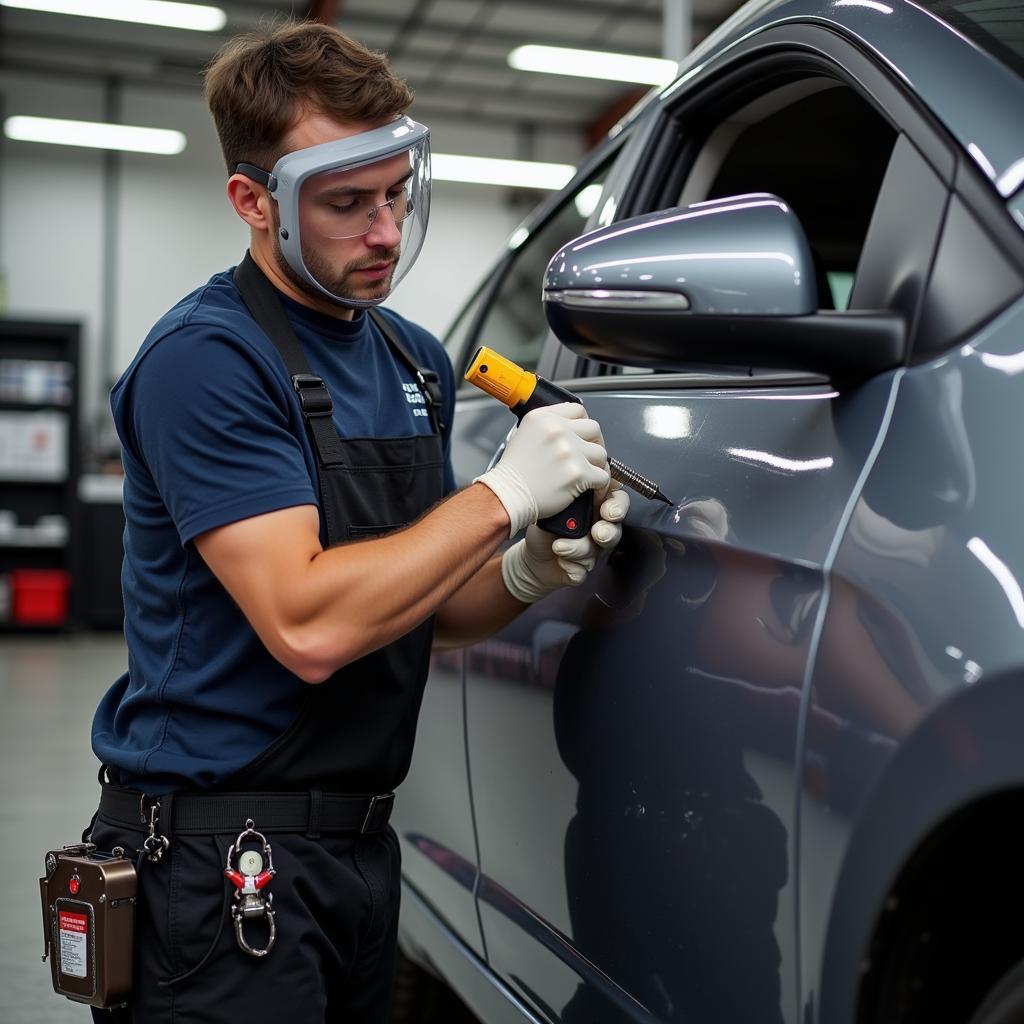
[355,731]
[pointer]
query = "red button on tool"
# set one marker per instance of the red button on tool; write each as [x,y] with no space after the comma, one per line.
[74,885]
[570,524]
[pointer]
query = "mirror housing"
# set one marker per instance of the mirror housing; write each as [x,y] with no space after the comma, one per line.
[724,284]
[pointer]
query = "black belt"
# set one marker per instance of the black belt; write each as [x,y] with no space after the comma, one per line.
[310,812]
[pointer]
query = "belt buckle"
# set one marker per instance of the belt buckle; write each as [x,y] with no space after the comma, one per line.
[383,799]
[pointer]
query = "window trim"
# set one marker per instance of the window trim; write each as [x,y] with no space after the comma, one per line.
[793,52]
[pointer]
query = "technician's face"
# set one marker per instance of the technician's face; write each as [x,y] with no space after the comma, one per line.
[360,266]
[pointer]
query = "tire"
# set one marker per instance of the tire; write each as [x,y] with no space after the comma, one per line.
[1005,1003]
[417,997]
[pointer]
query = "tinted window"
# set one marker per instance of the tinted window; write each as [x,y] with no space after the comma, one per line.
[815,143]
[826,155]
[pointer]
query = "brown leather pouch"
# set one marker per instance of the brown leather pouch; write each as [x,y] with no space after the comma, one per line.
[88,901]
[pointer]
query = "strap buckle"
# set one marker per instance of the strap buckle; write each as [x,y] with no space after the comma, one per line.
[431,384]
[377,813]
[314,397]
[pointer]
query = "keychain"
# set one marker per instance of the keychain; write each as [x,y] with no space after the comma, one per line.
[250,877]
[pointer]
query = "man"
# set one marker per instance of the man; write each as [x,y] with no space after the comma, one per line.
[289,558]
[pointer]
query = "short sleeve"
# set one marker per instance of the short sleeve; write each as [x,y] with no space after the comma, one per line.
[212,423]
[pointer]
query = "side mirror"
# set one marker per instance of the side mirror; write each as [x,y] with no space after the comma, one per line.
[728,283]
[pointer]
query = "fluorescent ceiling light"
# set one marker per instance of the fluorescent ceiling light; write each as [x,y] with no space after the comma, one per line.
[143,12]
[619,67]
[94,134]
[482,170]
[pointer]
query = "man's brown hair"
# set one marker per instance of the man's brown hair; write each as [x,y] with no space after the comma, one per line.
[260,82]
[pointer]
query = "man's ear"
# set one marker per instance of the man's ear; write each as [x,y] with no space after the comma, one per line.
[251,202]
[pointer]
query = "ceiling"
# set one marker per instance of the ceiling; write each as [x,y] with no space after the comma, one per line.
[452,52]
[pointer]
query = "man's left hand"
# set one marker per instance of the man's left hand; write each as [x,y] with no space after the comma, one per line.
[542,562]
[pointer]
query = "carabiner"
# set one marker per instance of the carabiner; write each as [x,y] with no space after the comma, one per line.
[250,877]
[155,844]
[238,913]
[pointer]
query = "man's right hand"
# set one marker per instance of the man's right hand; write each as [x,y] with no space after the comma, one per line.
[554,455]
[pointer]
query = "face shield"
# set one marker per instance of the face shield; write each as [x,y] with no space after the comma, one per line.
[374,184]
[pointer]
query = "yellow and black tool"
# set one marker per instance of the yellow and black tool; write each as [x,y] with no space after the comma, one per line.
[523,391]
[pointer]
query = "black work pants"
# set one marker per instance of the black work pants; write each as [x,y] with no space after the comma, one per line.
[336,912]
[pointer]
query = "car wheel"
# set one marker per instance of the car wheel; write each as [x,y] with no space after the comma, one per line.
[1005,1003]
[418,997]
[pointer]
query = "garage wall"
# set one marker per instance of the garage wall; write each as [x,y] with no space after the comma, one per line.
[173,227]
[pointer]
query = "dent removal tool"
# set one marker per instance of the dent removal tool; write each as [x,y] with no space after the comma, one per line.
[523,391]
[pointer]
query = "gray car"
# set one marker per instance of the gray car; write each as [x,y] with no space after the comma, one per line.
[768,764]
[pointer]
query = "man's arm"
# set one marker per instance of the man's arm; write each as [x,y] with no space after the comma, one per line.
[477,610]
[316,610]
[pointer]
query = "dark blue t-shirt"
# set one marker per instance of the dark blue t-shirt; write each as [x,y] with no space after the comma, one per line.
[211,432]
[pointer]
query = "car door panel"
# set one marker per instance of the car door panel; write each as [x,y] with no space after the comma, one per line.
[634,765]
[634,744]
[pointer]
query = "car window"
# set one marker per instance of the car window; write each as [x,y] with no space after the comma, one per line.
[817,145]
[514,324]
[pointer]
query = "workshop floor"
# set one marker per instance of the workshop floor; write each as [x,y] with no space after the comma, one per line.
[49,687]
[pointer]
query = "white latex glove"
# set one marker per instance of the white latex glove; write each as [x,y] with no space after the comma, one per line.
[554,455]
[542,562]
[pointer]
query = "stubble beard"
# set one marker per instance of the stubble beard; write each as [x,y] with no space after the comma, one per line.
[338,284]
[341,284]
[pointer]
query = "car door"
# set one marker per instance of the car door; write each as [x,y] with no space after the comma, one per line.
[634,744]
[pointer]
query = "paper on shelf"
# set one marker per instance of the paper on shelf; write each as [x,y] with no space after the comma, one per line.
[33,446]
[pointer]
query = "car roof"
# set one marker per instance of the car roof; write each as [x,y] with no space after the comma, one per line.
[978,99]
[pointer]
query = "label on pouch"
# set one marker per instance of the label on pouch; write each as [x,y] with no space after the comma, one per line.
[74,934]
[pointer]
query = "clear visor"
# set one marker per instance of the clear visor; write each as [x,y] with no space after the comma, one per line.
[361,228]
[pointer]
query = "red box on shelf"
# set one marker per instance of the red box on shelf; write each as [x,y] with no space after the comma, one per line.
[39,597]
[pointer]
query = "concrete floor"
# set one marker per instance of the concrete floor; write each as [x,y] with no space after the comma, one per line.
[49,688]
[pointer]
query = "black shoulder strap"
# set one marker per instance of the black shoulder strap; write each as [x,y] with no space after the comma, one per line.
[261,300]
[427,379]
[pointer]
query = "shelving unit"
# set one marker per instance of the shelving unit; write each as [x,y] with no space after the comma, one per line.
[39,395]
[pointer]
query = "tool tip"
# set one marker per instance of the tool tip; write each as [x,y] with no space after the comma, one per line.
[661,496]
